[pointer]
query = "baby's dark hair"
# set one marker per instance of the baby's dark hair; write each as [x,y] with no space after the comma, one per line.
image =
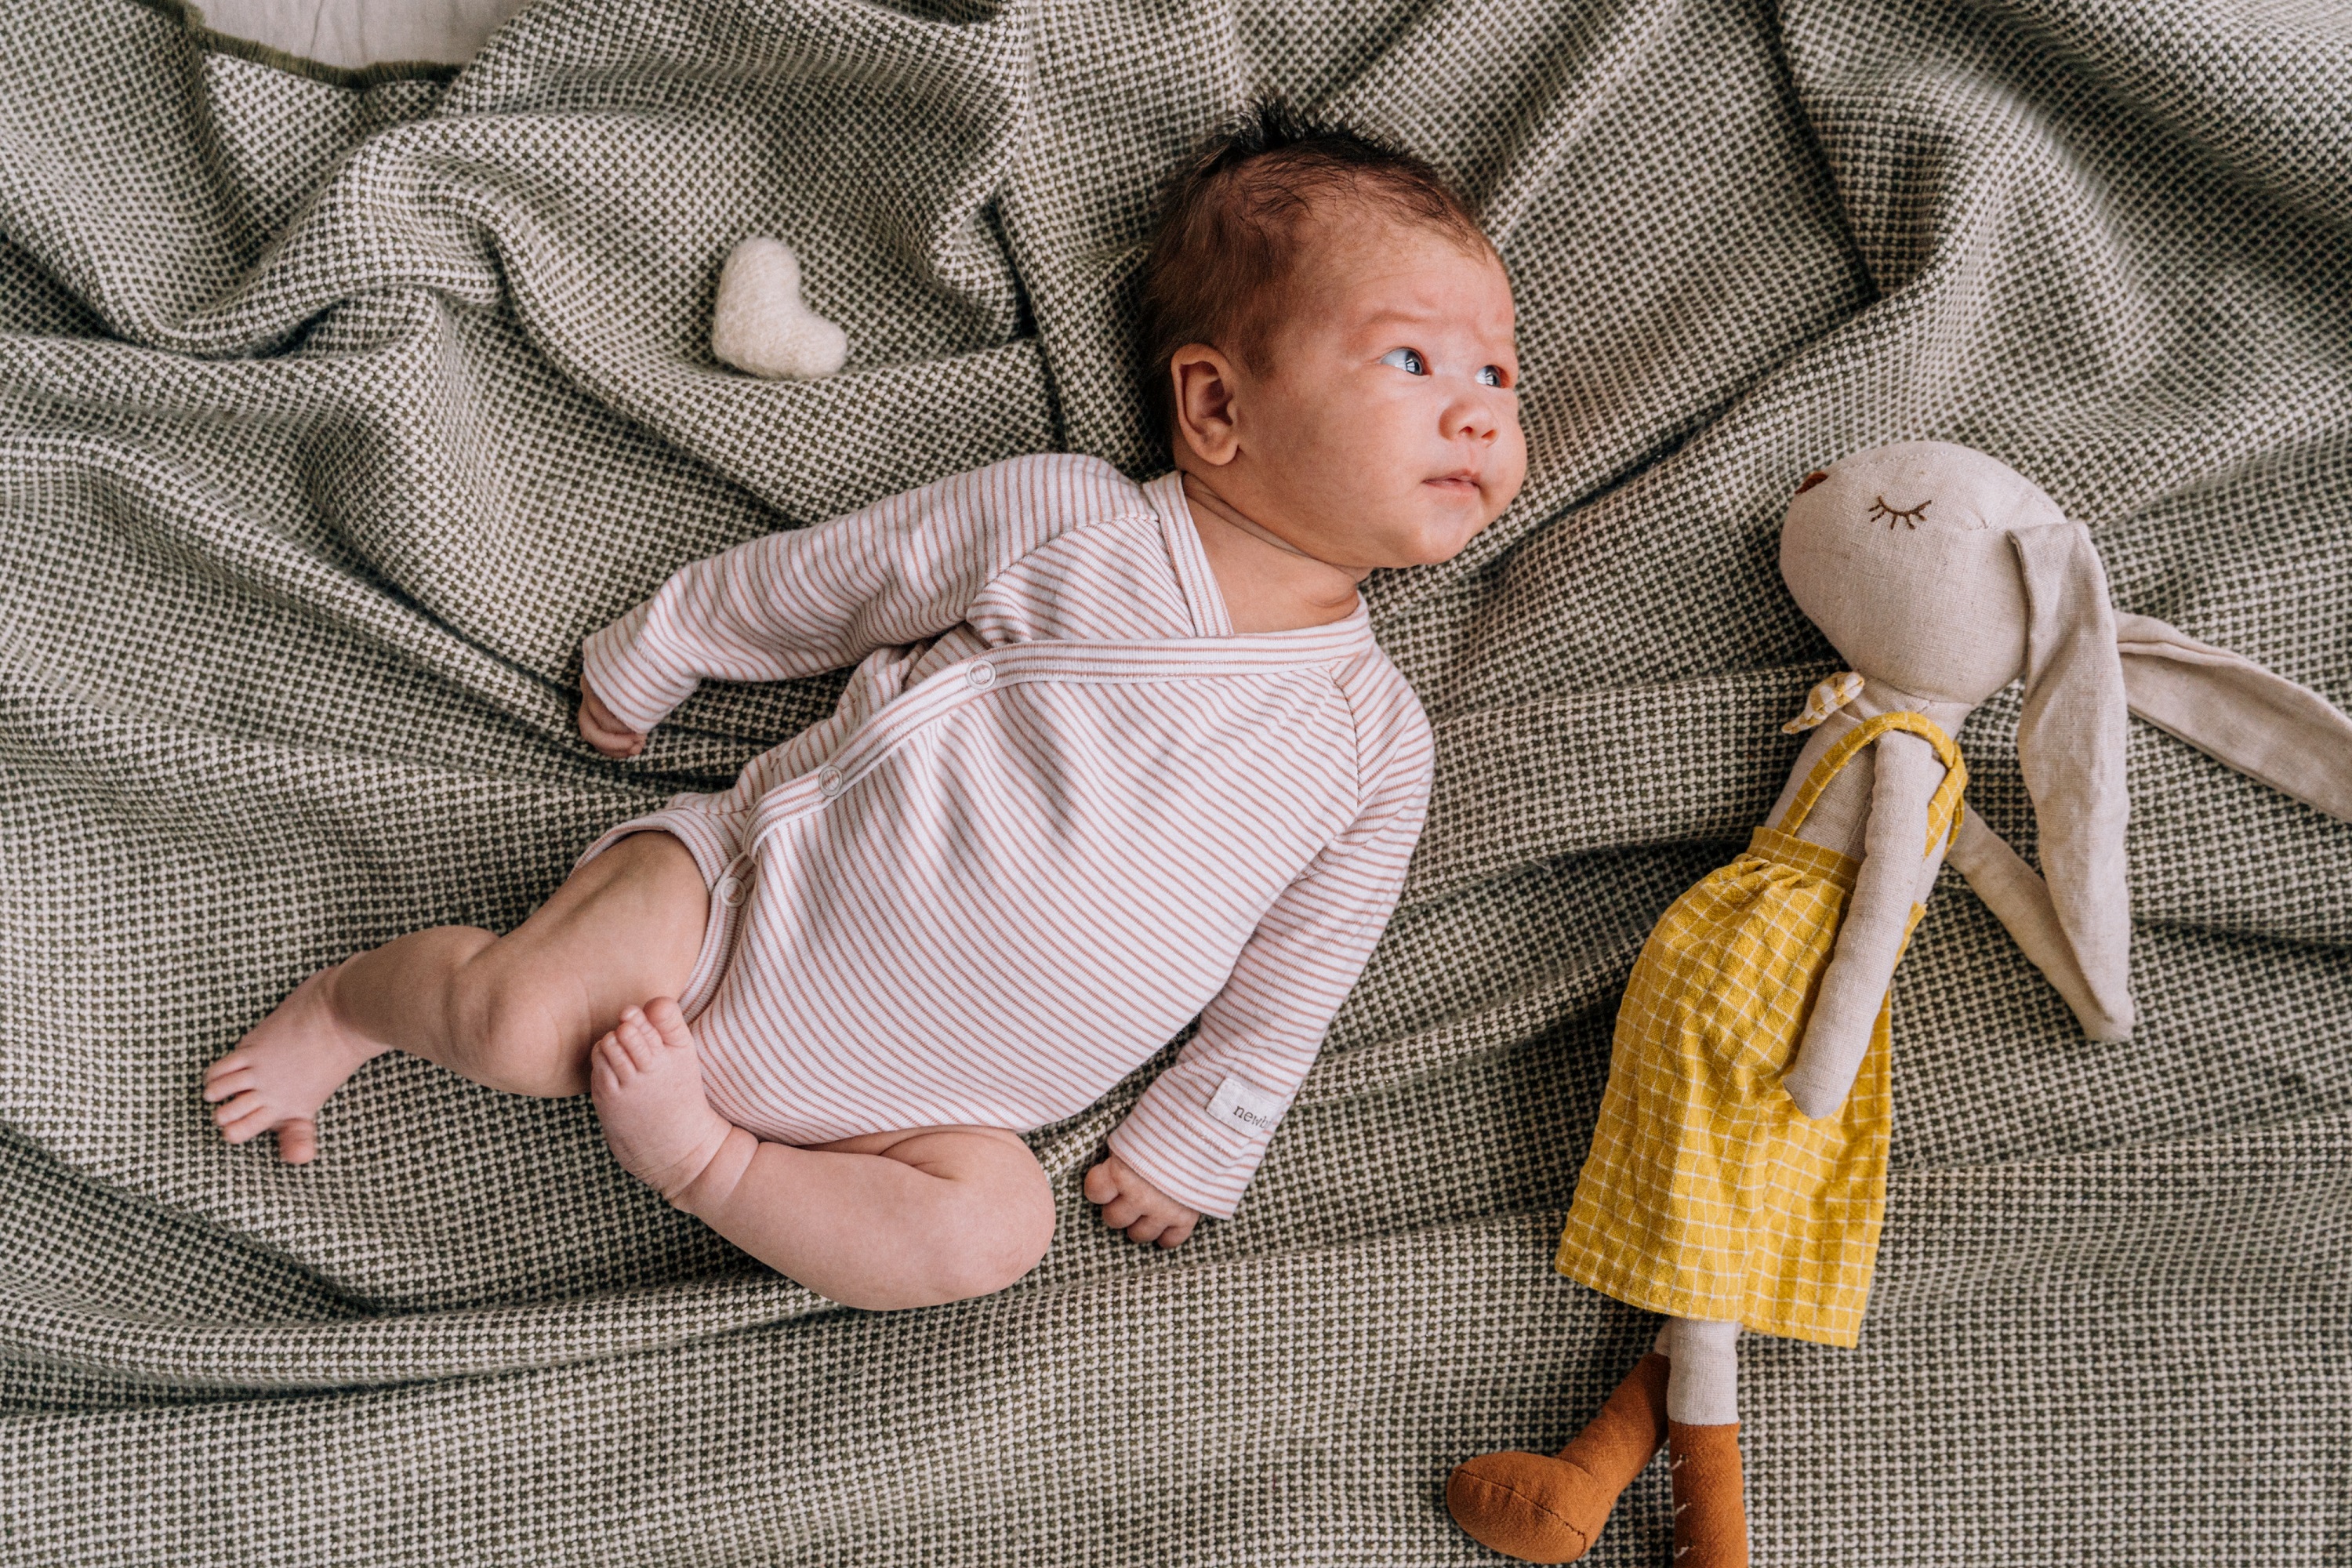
[1232,216]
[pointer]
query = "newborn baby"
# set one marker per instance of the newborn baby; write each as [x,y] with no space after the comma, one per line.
[1113,755]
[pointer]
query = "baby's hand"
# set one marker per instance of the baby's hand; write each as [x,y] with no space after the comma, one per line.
[601,731]
[1134,1205]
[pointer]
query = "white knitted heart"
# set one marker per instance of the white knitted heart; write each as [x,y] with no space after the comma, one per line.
[762,325]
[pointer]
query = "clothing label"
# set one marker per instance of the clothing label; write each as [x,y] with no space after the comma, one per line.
[1250,1109]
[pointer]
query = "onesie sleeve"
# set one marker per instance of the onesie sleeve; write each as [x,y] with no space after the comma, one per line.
[817,599]
[1199,1133]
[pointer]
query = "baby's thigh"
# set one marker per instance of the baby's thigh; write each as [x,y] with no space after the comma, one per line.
[992,1203]
[623,929]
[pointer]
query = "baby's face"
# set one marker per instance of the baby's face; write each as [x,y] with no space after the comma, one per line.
[1385,430]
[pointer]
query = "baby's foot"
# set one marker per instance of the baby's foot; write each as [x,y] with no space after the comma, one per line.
[647,1083]
[285,1068]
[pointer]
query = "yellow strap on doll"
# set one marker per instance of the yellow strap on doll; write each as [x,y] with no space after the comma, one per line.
[1943,810]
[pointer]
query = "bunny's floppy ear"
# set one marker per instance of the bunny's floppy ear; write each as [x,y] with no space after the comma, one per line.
[2070,745]
[2229,706]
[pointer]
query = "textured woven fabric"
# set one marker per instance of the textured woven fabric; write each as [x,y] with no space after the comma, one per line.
[1707,1193]
[333,417]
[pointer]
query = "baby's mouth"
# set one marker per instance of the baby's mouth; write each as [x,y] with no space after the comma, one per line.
[1460,482]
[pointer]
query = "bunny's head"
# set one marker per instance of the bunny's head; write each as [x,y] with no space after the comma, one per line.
[1902,556]
[1946,575]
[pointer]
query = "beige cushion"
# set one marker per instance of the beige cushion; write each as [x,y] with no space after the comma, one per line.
[356,32]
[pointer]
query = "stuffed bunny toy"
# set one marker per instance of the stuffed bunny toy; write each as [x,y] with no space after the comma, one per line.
[1737,1174]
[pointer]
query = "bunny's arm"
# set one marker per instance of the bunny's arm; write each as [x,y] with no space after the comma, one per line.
[2019,899]
[1877,917]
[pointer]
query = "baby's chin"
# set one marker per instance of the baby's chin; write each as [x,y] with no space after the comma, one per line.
[1437,525]
[1415,541]
[1410,524]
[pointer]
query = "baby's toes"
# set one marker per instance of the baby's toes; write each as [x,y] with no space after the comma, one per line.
[298,1141]
[614,1057]
[219,1085]
[244,1103]
[639,1039]
[241,1122]
[665,1015]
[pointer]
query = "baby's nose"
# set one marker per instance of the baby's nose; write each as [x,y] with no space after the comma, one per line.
[1471,417]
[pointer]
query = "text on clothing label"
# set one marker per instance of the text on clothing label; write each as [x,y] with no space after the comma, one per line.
[1250,1109]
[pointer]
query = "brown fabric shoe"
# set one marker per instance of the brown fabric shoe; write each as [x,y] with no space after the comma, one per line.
[1543,1509]
[1710,1501]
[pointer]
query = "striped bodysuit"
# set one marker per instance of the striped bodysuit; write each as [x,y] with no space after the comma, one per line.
[1060,809]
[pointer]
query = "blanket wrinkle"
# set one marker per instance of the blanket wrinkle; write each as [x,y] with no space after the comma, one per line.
[334,412]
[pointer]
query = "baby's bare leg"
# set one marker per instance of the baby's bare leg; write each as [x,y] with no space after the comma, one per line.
[516,1013]
[889,1220]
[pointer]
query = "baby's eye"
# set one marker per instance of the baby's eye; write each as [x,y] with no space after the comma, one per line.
[1406,359]
[1490,375]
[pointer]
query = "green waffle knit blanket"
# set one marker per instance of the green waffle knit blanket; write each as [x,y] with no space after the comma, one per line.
[335,410]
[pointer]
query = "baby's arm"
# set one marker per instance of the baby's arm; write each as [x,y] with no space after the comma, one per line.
[1877,918]
[817,599]
[1196,1136]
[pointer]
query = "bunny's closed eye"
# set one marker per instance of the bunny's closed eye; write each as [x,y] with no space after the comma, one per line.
[1895,514]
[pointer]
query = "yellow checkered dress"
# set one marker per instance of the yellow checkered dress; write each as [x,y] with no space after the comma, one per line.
[1708,1193]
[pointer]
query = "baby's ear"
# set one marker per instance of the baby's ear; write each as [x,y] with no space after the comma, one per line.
[1200,390]
[2230,708]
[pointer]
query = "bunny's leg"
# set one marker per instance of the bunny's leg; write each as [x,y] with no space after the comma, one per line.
[1703,1442]
[1549,1508]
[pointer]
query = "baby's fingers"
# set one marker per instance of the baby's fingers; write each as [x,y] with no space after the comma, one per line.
[601,729]
[613,744]
[1122,1212]
[1101,1185]
[1178,1232]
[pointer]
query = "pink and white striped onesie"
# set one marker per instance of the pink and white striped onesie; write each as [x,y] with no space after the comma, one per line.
[1061,809]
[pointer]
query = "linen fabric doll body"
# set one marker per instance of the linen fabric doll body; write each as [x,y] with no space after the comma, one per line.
[1737,1172]
[1113,754]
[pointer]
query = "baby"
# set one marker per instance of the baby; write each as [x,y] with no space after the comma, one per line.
[1113,755]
